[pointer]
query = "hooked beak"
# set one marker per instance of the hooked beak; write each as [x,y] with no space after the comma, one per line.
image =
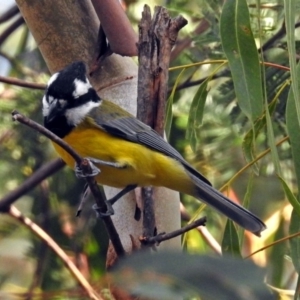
[54,111]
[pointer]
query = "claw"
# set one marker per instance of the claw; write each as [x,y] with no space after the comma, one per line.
[108,213]
[80,174]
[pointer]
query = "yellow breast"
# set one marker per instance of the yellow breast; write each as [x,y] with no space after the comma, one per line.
[144,166]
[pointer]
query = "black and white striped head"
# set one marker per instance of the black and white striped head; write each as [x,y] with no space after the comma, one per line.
[68,98]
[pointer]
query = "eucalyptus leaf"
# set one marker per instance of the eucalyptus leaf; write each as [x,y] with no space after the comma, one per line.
[230,241]
[293,128]
[169,114]
[289,10]
[196,114]
[240,49]
[170,275]
[295,242]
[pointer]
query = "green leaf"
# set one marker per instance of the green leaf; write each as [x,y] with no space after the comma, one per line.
[295,242]
[289,10]
[196,113]
[271,141]
[277,256]
[248,142]
[293,129]
[246,203]
[297,293]
[230,242]
[169,114]
[240,49]
[290,196]
[171,275]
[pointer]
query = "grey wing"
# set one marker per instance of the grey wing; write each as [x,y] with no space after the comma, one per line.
[131,129]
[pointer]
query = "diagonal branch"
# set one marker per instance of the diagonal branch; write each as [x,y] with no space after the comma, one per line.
[167,236]
[9,14]
[84,164]
[31,182]
[16,214]
[22,83]
[116,25]
[6,33]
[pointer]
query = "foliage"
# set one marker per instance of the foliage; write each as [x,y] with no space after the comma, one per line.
[234,104]
[198,275]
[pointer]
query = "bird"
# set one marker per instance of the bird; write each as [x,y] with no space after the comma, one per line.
[127,152]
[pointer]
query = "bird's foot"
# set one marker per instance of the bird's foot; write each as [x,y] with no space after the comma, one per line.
[100,214]
[80,173]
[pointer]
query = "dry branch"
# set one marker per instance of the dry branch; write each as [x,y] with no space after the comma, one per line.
[16,214]
[157,36]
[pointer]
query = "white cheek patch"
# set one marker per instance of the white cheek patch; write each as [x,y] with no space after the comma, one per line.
[50,99]
[81,87]
[45,107]
[47,101]
[52,78]
[76,114]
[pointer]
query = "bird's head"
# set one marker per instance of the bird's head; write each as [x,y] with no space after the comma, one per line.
[69,97]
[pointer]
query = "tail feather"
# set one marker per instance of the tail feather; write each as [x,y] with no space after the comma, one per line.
[233,211]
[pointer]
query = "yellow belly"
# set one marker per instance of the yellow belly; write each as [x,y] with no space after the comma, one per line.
[144,167]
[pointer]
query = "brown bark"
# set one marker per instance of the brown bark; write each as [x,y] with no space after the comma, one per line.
[157,36]
[117,28]
[156,39]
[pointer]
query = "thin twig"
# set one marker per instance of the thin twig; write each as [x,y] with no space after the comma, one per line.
[223,73]
[11,12]
[85,166]
[36,178]
[278,35]
[210,240]
[167,236]
[187,41]
[6,33]
[23,83]
[16,214]
[43,249]
[41,129]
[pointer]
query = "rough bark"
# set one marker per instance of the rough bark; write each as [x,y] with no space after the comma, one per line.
[157,36]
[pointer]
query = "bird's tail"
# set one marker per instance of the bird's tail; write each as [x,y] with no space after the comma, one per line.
[233,211]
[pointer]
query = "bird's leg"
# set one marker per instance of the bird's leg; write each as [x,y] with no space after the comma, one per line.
[85,194]
[95,170]
[111,201]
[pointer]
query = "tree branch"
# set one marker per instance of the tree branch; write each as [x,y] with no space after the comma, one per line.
[118,29]
[157,36]
[6,33]
[10,13]
[22,83]
[156,39]
[36,178]
[206,235]
[167,236]
[16,214]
